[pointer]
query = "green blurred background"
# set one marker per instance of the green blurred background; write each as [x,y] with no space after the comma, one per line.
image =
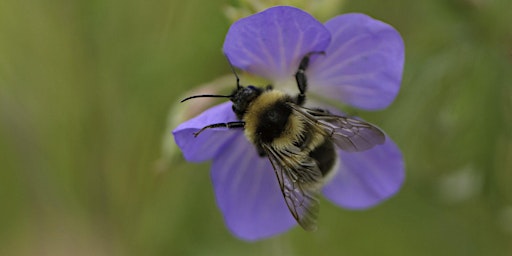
[86,88]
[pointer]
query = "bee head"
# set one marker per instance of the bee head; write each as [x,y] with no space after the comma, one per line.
[242,96]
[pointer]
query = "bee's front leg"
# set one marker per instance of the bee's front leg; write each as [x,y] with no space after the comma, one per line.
[300,77]
[230,125]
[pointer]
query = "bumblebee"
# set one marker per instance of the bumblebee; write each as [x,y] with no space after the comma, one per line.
[299,141]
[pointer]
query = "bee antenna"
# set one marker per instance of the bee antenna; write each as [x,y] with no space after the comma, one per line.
[234,72]
[206,96]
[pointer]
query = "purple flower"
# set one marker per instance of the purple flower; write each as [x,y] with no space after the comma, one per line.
[362,66]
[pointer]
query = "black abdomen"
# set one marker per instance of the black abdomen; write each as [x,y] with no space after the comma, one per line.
[325,156]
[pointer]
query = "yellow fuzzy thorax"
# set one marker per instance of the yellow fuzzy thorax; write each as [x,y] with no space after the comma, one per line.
[260,105]
[295,125]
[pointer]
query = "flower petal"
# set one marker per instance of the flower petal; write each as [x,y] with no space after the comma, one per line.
[367,178]
[248,193]
[271,43]
[210,141]
[363,64]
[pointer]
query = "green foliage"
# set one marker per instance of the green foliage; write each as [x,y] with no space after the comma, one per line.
[85,90]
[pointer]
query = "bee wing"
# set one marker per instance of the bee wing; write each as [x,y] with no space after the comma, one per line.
[347,133]
[298,178]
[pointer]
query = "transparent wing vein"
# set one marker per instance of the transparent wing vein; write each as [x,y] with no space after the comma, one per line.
[349,134]
[298,178]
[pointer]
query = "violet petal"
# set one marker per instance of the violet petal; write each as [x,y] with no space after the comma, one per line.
[363,64]
[210,141]
[367,178]
[272,43]
[248,193]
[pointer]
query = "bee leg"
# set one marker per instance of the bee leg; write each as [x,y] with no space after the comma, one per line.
[261,151]
[300,77]
[230,125]
[325,111]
